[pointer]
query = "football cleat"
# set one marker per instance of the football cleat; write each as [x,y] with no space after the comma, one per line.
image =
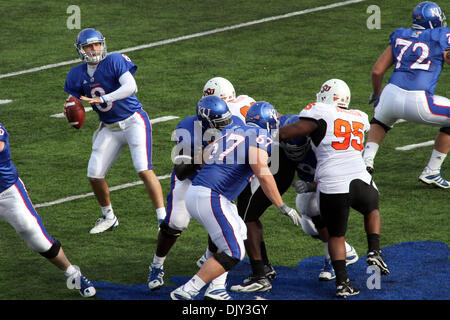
[344,289]
[104,224]
[270,271]
[155,278]
[181,294]
[374,258]
[217,293]
[429,176]
[327,273]
[253,284]
[351,256]
[80,282]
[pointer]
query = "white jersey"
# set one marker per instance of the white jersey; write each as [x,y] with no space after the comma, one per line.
[240,105]
[338,146]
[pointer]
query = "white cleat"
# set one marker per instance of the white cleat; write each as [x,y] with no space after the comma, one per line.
[180,294]
[103,224]
[429,176]
[216,293]
[351,256]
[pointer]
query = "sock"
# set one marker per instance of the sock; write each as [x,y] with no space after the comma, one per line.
[70,271]
[436,160]
[370,150]
[196,283]
[108,212]
[340,270]
[257,268]
[158,261]
[373,242]
[220,280]
[327,253]
[161,213]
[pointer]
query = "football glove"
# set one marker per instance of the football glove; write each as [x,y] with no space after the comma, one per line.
[373,97]
[291,213]
[303,186]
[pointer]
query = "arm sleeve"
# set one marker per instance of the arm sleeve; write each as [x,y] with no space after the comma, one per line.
[127,87]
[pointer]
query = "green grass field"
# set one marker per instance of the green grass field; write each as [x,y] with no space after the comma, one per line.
[282,61]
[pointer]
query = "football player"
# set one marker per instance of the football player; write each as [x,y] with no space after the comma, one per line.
[107,83]
[417,54]
[223,89]
[337,136]
[192,135]
[237,154]
[17,209]
[296,156]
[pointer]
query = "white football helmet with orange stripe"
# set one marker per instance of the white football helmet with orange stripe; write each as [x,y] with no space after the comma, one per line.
[219,87]
[335,92]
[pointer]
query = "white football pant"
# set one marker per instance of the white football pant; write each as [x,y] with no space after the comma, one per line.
[414,106]
[16,209]
[220,218]
[109,140]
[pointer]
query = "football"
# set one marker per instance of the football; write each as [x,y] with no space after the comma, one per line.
[74,112]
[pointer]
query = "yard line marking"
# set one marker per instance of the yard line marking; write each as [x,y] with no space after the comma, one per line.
[194,35]
[80,196]
[414,146]
[5,101]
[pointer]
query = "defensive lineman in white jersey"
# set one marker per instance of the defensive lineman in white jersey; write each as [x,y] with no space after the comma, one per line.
[337,136]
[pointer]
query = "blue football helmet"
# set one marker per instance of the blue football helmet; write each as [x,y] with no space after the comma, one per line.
[86,37]
[262,114]
[428,15]
[296,148]
[213,112]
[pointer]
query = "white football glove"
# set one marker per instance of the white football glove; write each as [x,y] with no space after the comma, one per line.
[291,213]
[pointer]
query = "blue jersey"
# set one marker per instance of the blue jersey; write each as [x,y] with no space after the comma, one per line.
[306,167]
[8,172]
[104,80]
[418,57]
[228,170]
[189,136]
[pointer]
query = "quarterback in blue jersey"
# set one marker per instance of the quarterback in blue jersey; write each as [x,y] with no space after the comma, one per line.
[418,55]
[17,209]
[237,154]
[107,83]
[192,135]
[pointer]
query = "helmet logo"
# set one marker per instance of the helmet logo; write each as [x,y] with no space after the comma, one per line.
[325,88]
[209,92]
[204,112]
[435,12]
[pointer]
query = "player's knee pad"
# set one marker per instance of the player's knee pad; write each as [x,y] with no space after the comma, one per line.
[385,127]
[445,130]
[166,229]
[225,260]
[53,251]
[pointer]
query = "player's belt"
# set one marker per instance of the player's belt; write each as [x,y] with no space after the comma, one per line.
[119,125]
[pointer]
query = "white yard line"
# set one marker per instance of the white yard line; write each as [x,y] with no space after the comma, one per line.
[191,36]
[90,194]
[415,146]
[5,101]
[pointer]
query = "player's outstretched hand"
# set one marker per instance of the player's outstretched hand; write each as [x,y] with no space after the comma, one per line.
[303,186]
[291,213]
